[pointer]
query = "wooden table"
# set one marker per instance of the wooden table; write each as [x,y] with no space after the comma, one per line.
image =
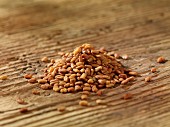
[31,29]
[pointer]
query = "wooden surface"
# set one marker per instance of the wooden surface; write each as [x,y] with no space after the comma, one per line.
[31,29]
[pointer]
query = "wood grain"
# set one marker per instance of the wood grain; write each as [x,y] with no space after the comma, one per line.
[33,29]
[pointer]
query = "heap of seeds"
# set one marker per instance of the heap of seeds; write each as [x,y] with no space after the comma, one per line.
[85,69]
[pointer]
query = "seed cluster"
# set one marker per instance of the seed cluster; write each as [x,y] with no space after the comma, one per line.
[85,69]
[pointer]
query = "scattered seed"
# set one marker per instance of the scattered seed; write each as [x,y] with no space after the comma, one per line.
[84,96]
[42,81]
[148,79]
[44,59]
[35,92]
[83,103]
[133,73]
[32,80]
[161,60]
[61,108]
[23,110]
[153,70]
[3,77]
[99,93]
[21,101]
[127,96]
[99,102]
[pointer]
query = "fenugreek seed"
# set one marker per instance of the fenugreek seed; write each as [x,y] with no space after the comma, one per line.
[82,70]
[99,92]
[132,78]
[44,59]
[83,76]
[70,89]
[124,82]
[66,79]
[95,51]
[117,56]
[86,92]
[110,85]
[124,76]
[84,97]
[32,80]
[153,70]
[79,63]
[52,61]
[161,60]
[86,88]
[42,81]
[86,84]
[77,50]
[3,77]
[107,82]
[83,103]
[62,71]
[102,81]
[73,80]
[133,73]
[23,110]
[28,76]
[94,88]
[44,87]
[127,96]
[79,83]
[64,90]
[21,101]
[87,71]
[73,59]
[78,88]
[72,76]
[59,77]
[125,56]
[100,102]
[148,79]
[61,108]
[56,88]
[121,79]
[90,81]
[98,68]
[35,92]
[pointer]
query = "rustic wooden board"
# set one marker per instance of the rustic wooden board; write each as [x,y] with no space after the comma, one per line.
[33,29]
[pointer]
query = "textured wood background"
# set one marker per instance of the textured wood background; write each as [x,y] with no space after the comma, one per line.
[31,29]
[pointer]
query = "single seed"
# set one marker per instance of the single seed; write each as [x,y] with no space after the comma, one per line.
[44,59]
[84,96]
[21,101]
[86,88]
[23,110]
[42,81]
[127,96]
[98,68]
[36,92]
[99,93]
[102,81]
[28,76]
[99,102]
[32,80]
[90,81]
[86,92]
[133,73]
[3,77]
[83,103]
[124,82]
[161,60]
[71,89]
[153,70]
[125,56]
[78,88]
[56,88]
[117,56]
[83,76]
[61,108]
[148,79]
[94,89]
[44,87]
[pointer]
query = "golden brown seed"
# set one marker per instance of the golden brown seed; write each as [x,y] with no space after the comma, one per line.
[44,59]
[64,90]
[83,76]
[32,80]
[86,92]
[61,108]
[87,84]
[36,92]
[94,88]
[161,60]
[78,88]
[21,101]
[83,103]
[153,70]
[70,89]
[132,78]
[44,87]
[66,79]
[117,56]
[99,93]
[23,110]
[86,88]
[133,73]
[148,79]
[99,102]
[3,77]
[28,76]
[90,81]
[125,56]
[56,88]
[98,68]
[77,50]
[79,83]
[84,96]
[42,81]
[102,81]
[79,63]
[127,96]
[124,82]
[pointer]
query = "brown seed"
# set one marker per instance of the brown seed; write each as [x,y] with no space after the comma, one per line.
[125,56]
[133,73]
[127,96]
[21,101]
[148,79]
[83,76]
[99,93]
[84,96]
[94,89]
[83,103]
[124,82]
[153,70]
[56,88]
[3,77]
[86,88]
[44,87]
[32,80]
[44,59]
[71,89]
[28,76]
[42,81]
[99,102]
[36,92]
[161,60]
[117,56]
[102,81]
[61,108]
[64,90]
[78,88]
[86,92]
[90,81]
[77,50]
[23,110]
[98,68]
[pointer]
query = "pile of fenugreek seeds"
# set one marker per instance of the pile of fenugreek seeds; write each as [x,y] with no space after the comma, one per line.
[85,69]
